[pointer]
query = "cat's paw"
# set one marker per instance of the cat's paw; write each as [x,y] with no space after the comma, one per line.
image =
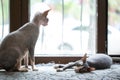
[26,67]
[35,69]
[23,70]
[59,69]
[58,66]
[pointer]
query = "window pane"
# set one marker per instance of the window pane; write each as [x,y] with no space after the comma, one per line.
[71,29]
[4,18]
[113,27]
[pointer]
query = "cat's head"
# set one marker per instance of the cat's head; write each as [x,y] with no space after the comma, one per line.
[44,18]
[83,66]
[41,18]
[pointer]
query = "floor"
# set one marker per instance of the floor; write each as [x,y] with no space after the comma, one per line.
[47,72]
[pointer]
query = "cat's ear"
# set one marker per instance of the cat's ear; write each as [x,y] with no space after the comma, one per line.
[91,69]
[84,58]
[45,13]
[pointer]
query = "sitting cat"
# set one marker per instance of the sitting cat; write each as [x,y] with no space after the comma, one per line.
[14,46]
[97,61]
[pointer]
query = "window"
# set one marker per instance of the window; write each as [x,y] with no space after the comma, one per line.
[113,27]
[19,15]
[71,30]
[4,18]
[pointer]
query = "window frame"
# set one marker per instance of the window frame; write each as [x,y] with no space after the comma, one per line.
[102,26]
[19,15]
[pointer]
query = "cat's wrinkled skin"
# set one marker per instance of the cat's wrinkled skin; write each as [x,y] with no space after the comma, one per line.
[97,61]
[17,44]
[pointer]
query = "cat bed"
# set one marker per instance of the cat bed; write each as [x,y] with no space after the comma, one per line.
[47,72]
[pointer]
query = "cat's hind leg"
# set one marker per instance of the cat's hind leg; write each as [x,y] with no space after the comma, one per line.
[17,67]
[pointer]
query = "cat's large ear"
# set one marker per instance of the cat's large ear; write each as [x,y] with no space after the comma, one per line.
[46,13]
[91,69]
[84,58]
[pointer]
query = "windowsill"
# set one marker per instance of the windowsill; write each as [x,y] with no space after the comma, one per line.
[116,59]
[58,58]
[64,58]
[60,55]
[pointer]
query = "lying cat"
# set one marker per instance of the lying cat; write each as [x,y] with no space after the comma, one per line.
[97,61]
[14,46]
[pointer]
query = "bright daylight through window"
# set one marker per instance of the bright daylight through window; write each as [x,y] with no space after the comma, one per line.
[4,18]
[113,27]
[71,29]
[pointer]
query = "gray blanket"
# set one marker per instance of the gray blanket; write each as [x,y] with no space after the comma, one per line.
[47,72]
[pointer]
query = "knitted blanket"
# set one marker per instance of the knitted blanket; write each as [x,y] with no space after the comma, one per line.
[47,72]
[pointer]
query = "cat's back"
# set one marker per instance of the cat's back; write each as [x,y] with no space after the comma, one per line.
[29,28]
[13,39]
[100,61]
[21,36]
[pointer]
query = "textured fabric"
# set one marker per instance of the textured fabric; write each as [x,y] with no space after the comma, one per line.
[47,72]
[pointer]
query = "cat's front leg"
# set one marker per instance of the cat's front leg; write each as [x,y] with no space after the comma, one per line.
[67,66]
[32,59]
[33,65]
[26,60]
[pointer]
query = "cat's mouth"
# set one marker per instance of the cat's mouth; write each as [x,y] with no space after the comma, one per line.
[45,24]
